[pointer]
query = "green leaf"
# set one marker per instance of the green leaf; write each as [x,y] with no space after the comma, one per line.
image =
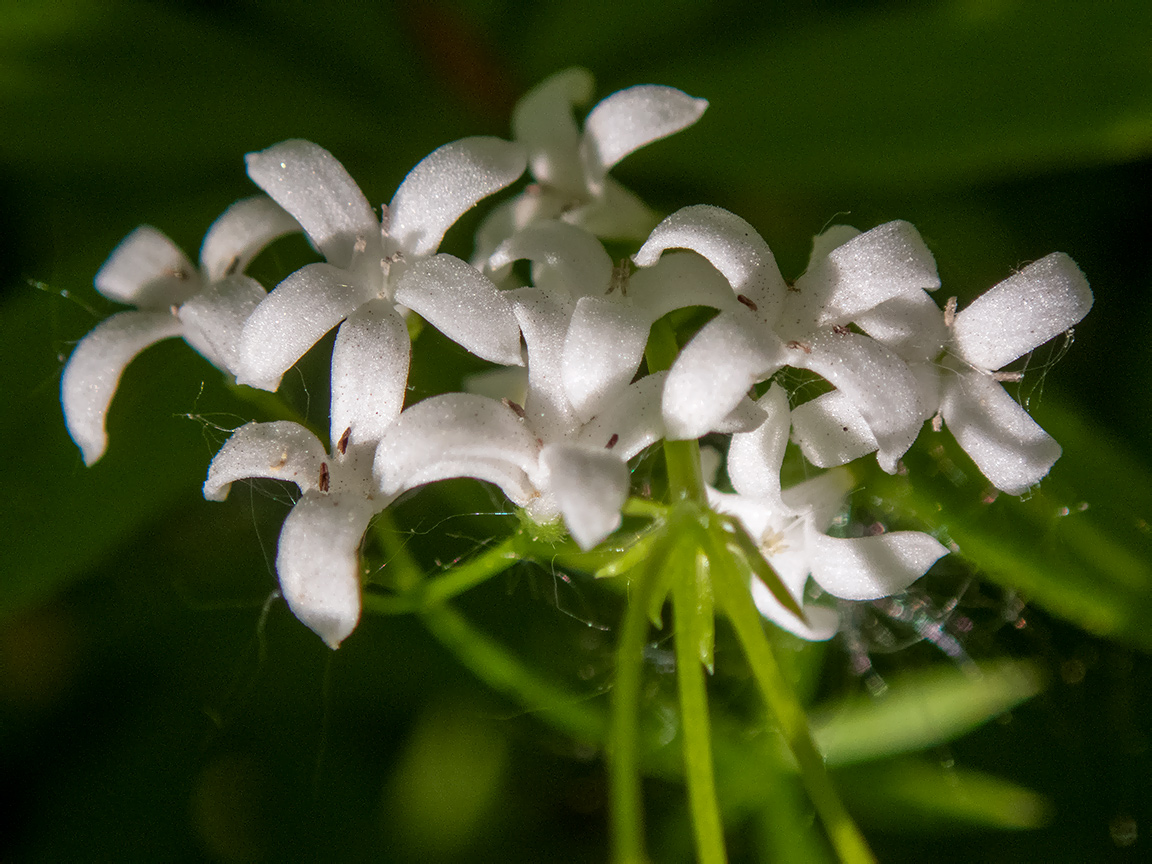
[920,709]
[916,796]
[919,94]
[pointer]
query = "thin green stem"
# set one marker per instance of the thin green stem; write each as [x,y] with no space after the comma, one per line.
[418,593]
[474,571]
[685,480]
[624,732]
[736,601]
[695,726]
[644,508]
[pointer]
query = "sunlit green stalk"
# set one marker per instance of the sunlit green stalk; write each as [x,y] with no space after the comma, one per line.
[736,602]
[695,727]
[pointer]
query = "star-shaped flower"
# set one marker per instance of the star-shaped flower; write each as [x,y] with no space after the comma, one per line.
[956,358]
[393,259]
[803,325]
[789,526]
[207,306]
[317,558]
[571,166]
[610,310]
[542,455]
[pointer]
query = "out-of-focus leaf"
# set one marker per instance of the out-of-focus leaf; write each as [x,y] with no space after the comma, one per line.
[163,87]
[916,94]
[1080,545]
[920,709]
[915,796]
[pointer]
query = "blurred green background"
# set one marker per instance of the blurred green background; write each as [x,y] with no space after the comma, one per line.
[151,710]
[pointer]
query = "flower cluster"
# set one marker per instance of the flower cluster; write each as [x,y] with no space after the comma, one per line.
[558,441]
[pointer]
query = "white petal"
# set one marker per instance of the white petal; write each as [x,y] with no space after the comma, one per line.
[713,373]
[456,427]
[149,271]
[312,185]
[911,324]
[755,458]
[1004,442]
[677,280]
[1022,312]
[760,517]
[241,233]
[369,372]
[94,369]
[859,275]
[876,381]
[279,451]
[542,121]
[745,417]
[567,260]
[822,621]
[819,499]
[631,118]
[630,421]
[603,350]
[733,247]
[292,318]
[591,486]
[445,185]
[512,481]
[830,431]
[318,562]
[544,322]
[214,319]
[867,568]
[464,305]
[616,213]
[831,238]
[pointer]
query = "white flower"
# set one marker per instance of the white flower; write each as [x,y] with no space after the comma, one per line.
[369,259]
[206,306]
[789,527]
[571,167]
[610,312]
[317,558]
[543,457]
[1009,320]
[803,326]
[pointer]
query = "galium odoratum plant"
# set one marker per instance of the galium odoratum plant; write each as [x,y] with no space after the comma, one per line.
[609,376]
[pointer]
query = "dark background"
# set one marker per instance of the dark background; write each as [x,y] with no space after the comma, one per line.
[147,709]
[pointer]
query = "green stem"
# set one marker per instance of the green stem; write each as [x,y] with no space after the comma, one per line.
[685,482]
[695,726]
[473,572]
[624,732]
[849,843]
[418,593]
[504,673]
